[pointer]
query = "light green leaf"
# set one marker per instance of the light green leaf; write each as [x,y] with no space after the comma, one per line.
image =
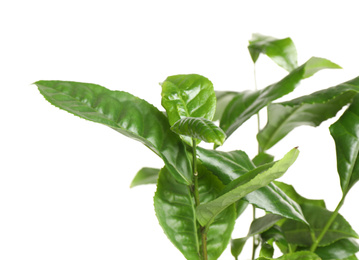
[342,249]
[175,210]
[299,234]
[145,176]
[248,103]
[293,194]
[188,96]
[199,128]
[302,255]
[125,113]
[267,250]
[309,110]
[208,211]
[228,166]
[281,51]
[346,136]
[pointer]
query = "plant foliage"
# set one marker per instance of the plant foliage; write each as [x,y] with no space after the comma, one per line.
[201,193]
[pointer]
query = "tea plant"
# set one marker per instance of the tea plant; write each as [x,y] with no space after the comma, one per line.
[202,192]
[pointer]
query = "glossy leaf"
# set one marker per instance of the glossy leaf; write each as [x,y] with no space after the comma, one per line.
[126,114]
[342,249]
[248,103]
[208,211]
[145,176]
[275,233]
[303,255]
[228,166]
[175,210]
[262,224]
[346,136]
[299,234]
[293,194]
[281,51]
[237,246]
[309,110]
[188,96]
[199,128]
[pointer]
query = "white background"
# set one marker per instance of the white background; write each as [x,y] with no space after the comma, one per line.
[64,181]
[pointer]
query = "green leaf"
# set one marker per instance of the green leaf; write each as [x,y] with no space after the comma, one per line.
[262,224]
[175,210]
[199,128]
[309,110]
[275,233]
[248,103]
[188,96]
[293,194]
[241,206]
[208,211]
[299,234]
[237,246]
[228,166]
[262,158]
[223,98]
[145,176]
[302,255]
[267,250]
[346,136]
[281,51]
[125,113]
[342,249]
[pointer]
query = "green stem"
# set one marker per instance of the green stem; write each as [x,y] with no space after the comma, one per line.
[254,243]
[197,200]
[329,223]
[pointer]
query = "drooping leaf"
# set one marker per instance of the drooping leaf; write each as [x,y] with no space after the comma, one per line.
[228,166]
[208,211]
[342,249]
[237,246]
[281,51]
[293,194]
[175,210]
[199,128]
[145,176]
[299,234]
[189,95]
[346,136]
[259,225]
[309,110]
[248,103]
[262,158]
[126,114]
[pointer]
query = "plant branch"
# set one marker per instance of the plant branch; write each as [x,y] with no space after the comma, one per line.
[329,223]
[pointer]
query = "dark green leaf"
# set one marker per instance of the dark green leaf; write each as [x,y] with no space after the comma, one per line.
[208,211]
[262,158]
[259,225]
[275,233]
[299,234]
[124,113]
[228,166]
[292,193]
[199,128]
[346,136]
[248,103]
[241,206]
[188,96]
[175,210]
[342,249]
[145,176]
[237,246]
[309,110]
[281,51]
